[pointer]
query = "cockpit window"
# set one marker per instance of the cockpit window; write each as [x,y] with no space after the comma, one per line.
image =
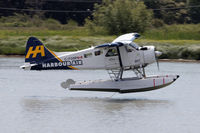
[134,45]
[111,52]
[129,49]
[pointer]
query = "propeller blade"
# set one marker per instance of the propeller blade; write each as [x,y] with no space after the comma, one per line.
[157,54]
[157,64]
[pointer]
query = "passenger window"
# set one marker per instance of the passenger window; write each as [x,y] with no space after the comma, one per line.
[87,55]
[97,53]
[111,52]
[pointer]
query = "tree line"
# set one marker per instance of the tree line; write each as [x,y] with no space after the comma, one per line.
[78,10]
[113,16]
[175,11]
[167,11]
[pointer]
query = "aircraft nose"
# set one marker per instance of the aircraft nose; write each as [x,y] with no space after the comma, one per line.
[158,53]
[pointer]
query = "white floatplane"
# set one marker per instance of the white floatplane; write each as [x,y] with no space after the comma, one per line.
[116,57]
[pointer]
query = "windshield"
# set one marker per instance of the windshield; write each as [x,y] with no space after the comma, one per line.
[134,45]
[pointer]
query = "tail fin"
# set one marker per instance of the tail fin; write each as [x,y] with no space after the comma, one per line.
[36,52]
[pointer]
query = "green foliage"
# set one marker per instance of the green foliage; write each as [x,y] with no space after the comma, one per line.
[194,12]
[158,23]
[175,41]
[26,21]
[171,11]
[175,49]
[20,20]
[178,32]
[15,45]
[120,16]
[172,49]
[72,23]
[51,24]
[95,29]
[174,16]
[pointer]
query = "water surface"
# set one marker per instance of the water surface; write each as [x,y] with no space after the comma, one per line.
[34,102]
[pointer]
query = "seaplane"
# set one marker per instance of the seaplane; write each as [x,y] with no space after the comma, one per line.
[121,55]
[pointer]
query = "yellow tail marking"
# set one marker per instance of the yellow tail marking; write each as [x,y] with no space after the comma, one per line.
[61,60]
[73,67]
[55,55]
[38,49]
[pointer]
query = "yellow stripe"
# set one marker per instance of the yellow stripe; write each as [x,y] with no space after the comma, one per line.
[55,55]
[73,67]
[61,60]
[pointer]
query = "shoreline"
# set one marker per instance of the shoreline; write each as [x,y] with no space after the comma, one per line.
[160,60]
[179,60]
[11,56]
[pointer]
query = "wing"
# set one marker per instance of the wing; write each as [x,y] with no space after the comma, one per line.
[121,40]
[127,38]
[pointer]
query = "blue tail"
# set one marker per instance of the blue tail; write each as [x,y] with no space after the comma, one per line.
[42,58]
[36,52]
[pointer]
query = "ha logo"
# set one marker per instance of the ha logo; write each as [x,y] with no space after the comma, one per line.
[38,50]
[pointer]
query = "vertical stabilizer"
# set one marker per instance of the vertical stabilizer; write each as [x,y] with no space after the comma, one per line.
[36,52]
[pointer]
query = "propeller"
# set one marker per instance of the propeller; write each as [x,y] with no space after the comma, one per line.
[157,54]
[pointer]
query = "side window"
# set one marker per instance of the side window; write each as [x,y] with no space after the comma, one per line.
[111,52]
[87,55]
[97,53]
[134,45]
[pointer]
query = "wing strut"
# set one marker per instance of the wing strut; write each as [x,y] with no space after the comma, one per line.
[120,62]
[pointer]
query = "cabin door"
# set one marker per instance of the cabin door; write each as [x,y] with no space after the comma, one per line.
[133,57]
[124,57]
[111,58]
